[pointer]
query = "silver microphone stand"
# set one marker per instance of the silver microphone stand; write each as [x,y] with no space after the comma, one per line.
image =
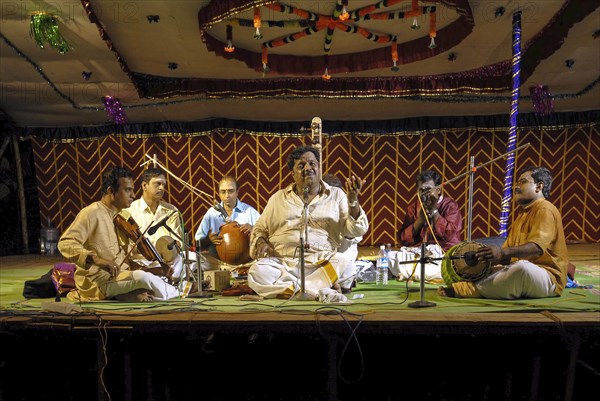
[422,303]
[303,295]
[185,250]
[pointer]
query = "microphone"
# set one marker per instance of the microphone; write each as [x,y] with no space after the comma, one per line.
[305,194]
[171,245]
[161,223]
[219,208]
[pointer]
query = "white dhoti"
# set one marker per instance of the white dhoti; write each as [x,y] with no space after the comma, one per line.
[281,277]
[412,271]
[129,281]
[209,262]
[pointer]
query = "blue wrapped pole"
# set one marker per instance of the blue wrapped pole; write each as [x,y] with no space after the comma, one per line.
[514,113]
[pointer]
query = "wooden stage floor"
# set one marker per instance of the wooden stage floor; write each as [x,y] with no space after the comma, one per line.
[377,348]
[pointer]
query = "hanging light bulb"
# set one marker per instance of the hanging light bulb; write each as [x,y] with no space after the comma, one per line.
[432,44]
[415,24]
[265,60]
[229,48]
[344,15]
[257,22]
[395,56]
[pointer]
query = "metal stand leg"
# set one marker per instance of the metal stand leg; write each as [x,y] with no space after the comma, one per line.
[422,303]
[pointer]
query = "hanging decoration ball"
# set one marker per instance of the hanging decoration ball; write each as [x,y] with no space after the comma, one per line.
[543,103]
[114,109]
[44,30]
[86,75]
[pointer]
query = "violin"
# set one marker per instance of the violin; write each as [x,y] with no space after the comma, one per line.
[132,230]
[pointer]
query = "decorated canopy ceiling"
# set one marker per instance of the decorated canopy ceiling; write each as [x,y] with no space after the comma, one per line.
[337,37]
[67,64]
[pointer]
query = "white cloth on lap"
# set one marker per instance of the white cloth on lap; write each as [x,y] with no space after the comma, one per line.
[328,295]
[433,271]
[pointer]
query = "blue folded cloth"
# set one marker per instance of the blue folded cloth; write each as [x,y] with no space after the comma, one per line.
[575,284]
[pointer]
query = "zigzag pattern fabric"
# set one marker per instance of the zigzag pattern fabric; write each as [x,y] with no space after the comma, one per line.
[68,174]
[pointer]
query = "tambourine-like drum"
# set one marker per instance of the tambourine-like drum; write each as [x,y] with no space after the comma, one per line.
[461,265]
[235,248]
[167,248]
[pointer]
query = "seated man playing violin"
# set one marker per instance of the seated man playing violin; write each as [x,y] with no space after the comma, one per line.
[101,252]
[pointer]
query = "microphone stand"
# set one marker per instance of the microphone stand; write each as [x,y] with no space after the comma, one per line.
[199,277]
[187,262]
[303,295]
[422,303]
[468,256]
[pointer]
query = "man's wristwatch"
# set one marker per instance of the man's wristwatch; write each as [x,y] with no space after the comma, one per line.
[353,204]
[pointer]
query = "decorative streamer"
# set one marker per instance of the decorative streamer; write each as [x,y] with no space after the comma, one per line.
[512,132]
[44,29]
[114,110]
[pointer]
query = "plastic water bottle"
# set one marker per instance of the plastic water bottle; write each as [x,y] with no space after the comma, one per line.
[381,277]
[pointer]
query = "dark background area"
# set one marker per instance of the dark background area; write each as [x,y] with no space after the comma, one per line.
[11,238]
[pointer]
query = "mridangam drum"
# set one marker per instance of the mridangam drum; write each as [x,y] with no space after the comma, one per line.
[461,265]
[235,248]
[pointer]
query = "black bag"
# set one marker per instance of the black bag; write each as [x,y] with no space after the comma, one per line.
[42,287]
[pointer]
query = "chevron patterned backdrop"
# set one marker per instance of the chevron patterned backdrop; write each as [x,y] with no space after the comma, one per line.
[69,174]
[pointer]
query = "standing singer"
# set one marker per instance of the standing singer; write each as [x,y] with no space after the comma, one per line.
[331,215]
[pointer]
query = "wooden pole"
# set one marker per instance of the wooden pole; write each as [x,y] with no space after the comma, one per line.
[4,146]
[21,188]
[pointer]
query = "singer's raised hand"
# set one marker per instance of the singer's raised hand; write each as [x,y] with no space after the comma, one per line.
[353,186]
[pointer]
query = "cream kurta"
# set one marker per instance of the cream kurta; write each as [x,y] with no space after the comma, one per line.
[92,233]
[281,223]
[540,222]
[143,216]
